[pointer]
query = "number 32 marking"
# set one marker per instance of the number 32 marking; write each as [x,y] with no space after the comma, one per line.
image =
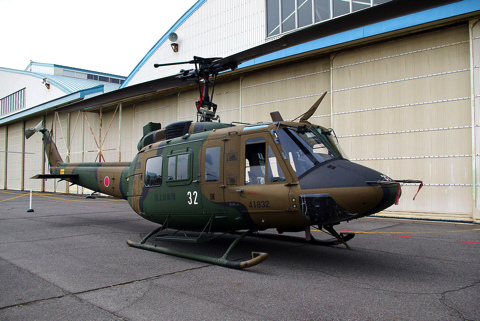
[192,198]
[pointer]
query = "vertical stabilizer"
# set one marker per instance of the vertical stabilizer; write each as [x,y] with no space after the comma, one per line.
[53,156]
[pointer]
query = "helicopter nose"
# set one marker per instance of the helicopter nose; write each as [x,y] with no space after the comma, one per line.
[348,191]
[340,173]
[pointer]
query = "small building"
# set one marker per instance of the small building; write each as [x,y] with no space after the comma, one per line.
[40,82]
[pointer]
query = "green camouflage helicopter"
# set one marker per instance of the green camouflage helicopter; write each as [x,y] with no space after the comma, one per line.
[208,177]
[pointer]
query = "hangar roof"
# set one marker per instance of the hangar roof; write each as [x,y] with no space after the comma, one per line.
[66,84]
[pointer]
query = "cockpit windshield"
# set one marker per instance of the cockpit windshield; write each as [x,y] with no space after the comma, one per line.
[306,147]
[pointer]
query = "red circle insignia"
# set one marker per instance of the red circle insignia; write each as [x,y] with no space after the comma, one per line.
[106,181]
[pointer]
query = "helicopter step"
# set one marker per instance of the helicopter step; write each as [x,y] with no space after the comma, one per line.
[257,257]
[341,239]
[183,238]
[164,234]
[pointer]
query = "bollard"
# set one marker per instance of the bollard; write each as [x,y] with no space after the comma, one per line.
[30,210]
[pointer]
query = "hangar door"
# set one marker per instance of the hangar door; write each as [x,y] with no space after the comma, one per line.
[403,107]
[14,156]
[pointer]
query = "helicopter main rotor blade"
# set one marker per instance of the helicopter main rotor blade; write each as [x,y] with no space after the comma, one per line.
[378,13]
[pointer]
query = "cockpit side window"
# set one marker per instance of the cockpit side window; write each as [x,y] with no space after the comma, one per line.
[261,165]
[212,164]
[255,161]
[274,173]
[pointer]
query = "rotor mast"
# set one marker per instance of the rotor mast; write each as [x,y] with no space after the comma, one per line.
[205,70]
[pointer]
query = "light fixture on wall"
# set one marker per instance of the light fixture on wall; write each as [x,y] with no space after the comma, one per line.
[173,38]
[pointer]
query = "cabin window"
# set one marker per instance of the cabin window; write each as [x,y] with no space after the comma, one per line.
[178,167]
[153,171]
[212,164]
[261,165]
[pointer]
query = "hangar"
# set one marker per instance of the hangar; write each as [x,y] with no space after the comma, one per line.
[403,92]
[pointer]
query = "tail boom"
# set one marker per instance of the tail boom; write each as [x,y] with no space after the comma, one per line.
[106,178]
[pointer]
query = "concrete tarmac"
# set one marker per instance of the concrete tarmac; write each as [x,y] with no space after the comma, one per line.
[68,260]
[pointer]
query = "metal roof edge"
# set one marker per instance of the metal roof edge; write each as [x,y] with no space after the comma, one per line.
[87,70]
[52,104]
[71,68]
[38,63]
[39,76]
[175,26]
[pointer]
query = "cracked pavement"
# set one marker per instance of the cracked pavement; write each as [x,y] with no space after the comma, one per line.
[68,260]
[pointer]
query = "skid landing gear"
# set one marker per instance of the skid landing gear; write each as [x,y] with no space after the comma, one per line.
[257,257]
[342,237]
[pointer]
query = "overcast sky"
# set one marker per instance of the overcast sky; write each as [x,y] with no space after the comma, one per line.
[110,36]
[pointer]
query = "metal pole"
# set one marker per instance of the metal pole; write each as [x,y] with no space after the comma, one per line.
[30,210]
[120,133]
[5,159]
[22,173]
[475,211]
[332,56]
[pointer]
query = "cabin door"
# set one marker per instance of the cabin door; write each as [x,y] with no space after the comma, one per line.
[212,177]
[259,184]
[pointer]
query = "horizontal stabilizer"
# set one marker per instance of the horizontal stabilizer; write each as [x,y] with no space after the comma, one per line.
[47,176]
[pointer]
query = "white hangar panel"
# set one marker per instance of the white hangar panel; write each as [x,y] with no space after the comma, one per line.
[424,74]
[92,125]
[449,115]
[403,107]
[59,123]
[77,129]
[186,105]
[33,157]
[291,89]
[50,184]
[215,29]
[163,111]
[108,135]
[14,157]
[60,127]
[415,56]
[128,148]
[227,98]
